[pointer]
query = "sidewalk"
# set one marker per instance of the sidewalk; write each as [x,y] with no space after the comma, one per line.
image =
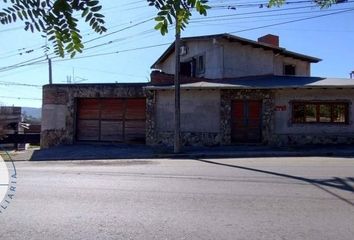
[124,151]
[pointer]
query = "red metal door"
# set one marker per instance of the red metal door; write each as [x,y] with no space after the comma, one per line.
[246,121]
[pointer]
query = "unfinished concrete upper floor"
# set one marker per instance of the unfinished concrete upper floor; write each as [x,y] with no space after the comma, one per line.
[227,56]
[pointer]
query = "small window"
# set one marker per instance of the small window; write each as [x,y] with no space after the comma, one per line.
[310,113]
[289,69]
[320,112]
[200,64]
[186,68]
[325,113]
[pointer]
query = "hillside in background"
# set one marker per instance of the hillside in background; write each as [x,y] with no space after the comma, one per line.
[32,113]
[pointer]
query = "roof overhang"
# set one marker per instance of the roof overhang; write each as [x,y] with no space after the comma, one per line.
[244,41]
[265,82]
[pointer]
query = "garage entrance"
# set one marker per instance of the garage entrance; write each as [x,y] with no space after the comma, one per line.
[246,121]
[111,119]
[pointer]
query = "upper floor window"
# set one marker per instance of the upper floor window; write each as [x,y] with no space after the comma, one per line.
[200,64]
[187,68]
[289,69]
[320,112]
[193,67]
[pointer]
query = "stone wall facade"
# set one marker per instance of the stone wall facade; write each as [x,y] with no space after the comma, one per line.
[223,136]
[59,115]
[282,140]
[267,98]
[59,107]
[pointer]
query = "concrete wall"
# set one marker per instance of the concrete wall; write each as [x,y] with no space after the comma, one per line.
[200,111]
[59,107]
[277,127]
[206,116]
[200,117]
[287,133]
[213,58]
[243,60]
[225,59]
[302,68]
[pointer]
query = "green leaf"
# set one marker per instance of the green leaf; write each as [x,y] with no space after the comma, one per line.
[89,16]
[159,26]
[92,3]
[72,55]
[159,18]
[85,12]
[98,15]
[96,9]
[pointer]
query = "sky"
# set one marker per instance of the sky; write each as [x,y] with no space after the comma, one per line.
[131,45]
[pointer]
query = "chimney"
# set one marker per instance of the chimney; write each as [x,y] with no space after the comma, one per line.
[269,39]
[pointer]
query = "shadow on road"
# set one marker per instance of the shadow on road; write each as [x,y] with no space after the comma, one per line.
[93,152]
[335,182]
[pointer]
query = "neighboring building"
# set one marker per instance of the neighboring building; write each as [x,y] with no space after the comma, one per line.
[234,90]
[10,119]
[10,123]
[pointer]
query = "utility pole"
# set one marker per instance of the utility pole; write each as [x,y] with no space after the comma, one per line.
[177,136]
[50,70]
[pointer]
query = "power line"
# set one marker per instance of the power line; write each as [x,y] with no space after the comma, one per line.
[270,15]
[21,98]
[292,21]
[22,52]
[119,30]
[141,22]
[18,84]
[256,4]
[104,71]
[122,39]
[18,72]
[116,52]
[24,63]
[31,62]
[10,29]
[250,13]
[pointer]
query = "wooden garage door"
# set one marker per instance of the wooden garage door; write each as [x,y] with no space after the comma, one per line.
[111,119]
[246,121]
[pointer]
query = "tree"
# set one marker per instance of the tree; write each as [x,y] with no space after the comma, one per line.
[56,20]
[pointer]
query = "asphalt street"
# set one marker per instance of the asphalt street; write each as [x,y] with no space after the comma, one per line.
[245,198]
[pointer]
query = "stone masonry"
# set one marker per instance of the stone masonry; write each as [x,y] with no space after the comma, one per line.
[267,97]
[223,137]
[59,107]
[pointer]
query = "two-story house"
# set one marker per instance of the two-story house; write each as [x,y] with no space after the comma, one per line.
[243,91]
[233,91]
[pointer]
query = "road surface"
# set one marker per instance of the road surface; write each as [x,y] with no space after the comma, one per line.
[261,198]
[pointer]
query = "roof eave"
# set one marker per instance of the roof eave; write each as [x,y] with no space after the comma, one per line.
[247,87]
[227,36]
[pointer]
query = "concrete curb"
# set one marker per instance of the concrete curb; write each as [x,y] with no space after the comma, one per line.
[250,154]
[259,154]
[89,152]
